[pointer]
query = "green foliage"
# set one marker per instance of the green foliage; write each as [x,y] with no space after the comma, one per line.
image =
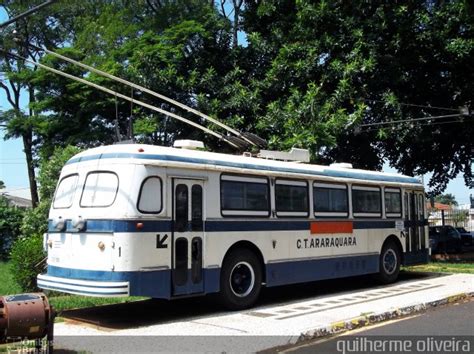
[27,258]
[447,198]
[367,60]
[10,220]
[311,75]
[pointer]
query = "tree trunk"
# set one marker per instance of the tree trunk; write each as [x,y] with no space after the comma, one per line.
[28,148]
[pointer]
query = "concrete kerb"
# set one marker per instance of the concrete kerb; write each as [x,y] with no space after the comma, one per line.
[372,318]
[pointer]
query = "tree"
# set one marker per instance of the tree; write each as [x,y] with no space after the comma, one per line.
[2,185]
[327,69]
[448,199]
[47,27]
[460,217]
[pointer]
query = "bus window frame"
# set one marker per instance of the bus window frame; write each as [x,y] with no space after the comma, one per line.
[356,214]
[140,195]
[244,214]
[75,189]
[393,215]
[292,214]
[84,186]
[331,214]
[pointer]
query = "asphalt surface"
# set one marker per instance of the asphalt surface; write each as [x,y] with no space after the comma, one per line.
[442,323]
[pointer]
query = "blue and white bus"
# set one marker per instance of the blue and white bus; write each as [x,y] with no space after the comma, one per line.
[168,222]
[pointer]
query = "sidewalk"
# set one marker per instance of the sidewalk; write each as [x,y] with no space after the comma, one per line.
[275,325]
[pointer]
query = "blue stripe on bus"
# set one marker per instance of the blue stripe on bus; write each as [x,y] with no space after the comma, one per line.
[158,284]
[293,272]
[332,173]
[104,226]
[153,283]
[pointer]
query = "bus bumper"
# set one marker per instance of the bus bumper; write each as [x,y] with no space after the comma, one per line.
[84,287]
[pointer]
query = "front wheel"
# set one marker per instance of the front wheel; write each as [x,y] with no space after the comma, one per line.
[389,263]
[241,280]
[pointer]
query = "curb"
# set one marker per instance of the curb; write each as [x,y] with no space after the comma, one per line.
[372,318]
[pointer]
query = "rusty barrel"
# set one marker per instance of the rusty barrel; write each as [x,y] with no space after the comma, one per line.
[27,316]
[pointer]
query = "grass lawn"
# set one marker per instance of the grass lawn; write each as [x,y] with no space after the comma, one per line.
[7,285]
[445,267]
[59,301]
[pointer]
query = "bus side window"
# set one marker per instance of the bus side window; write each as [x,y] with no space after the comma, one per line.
[150,196]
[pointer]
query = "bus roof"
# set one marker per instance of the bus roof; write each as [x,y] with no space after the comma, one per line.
[159,155]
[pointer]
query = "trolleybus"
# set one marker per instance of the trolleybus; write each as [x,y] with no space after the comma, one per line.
[167,222]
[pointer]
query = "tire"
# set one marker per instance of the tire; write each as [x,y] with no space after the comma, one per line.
[241,280]
[389,263]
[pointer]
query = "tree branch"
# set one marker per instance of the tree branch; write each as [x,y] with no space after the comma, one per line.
[7,91]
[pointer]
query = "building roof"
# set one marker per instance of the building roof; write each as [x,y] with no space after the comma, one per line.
[438,206]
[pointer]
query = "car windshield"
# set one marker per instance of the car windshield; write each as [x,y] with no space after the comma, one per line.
[461,229]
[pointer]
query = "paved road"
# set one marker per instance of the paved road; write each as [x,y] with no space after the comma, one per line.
[451,320]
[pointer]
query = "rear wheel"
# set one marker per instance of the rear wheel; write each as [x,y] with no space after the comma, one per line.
[389,263]
[241,279]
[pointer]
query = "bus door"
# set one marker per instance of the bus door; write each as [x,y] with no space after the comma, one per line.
[187,236]
[421,220]
[412,215]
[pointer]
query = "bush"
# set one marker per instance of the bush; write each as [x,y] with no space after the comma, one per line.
[10,222]
[27,261]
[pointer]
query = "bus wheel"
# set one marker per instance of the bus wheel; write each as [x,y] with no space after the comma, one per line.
[389,263]
[241,279]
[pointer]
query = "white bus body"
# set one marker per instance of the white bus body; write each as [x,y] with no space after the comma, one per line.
[165,222]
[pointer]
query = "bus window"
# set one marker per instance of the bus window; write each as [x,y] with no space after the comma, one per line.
[181,266]
[100,190]
[393,202]
[366,201]
[245,196]
[196,260]
[330,200]
[291,198]
[65,192]
[196,208]
[150,196]
[181,218]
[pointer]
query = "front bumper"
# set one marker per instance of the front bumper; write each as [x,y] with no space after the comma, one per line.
[84,287]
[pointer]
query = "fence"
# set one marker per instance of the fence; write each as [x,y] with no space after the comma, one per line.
[454,217]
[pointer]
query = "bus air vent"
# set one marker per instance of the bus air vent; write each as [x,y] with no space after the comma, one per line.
[297,155]
[189,144]
[341,165]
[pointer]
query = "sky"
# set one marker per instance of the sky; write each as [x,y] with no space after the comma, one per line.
[14,174]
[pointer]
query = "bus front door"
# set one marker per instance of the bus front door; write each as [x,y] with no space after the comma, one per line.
[187,237]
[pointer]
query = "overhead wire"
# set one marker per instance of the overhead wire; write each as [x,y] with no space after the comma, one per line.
[117,94]
[146,90]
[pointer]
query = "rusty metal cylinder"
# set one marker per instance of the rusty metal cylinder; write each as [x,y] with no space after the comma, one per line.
[27,316]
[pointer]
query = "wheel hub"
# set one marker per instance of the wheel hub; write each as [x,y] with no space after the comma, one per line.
[242,279]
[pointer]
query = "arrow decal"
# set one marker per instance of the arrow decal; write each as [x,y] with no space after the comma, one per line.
[160,242]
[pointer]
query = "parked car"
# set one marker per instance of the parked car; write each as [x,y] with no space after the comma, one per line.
[444,239]
[466,236]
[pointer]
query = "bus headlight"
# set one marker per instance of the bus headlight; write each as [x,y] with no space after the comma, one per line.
[79,223]
[59,224]
[101,245]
